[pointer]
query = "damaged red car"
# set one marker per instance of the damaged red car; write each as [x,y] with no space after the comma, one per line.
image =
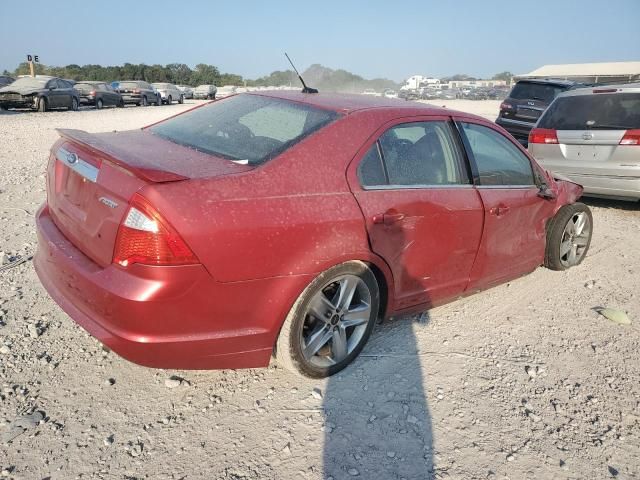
[285,224]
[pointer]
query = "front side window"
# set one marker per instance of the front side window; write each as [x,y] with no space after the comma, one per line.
[498,160]
[249,129]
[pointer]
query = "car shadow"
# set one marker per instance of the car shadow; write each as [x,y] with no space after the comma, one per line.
[614,204]
[377,420]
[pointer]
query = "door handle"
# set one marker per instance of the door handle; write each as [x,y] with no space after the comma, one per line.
[499,210]
[387,218]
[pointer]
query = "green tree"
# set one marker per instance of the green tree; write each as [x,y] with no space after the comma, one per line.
[506,75]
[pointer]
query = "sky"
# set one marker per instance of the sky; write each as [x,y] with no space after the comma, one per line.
[371,38]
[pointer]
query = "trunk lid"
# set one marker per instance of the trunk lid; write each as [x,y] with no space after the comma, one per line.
[590,146]
[92,177]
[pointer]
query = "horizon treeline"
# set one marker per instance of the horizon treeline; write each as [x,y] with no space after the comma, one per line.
[316,75]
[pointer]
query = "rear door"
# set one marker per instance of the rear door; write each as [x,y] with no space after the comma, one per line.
[53,95]
[514,234]
[423,216]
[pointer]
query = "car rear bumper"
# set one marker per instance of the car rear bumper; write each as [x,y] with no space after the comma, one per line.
[135,99]
[163,317]
[87,100]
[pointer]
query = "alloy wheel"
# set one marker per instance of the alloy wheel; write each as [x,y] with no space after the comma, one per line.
[336,321]
[575,239]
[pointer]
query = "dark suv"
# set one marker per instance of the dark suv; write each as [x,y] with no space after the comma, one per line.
[139,93]
[527,100]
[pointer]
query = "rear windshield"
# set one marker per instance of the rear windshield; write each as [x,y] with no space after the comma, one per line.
[535,91]
[129,85]
[85,87]
[247,129]
[616,111]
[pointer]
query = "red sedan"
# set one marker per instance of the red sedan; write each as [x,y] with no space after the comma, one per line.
[290,222]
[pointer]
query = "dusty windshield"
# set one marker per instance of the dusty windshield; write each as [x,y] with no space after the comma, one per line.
[246,128]
[30,82]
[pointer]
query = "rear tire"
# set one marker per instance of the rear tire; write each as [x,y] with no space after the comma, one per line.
[120,104]
[145,103]
[568,237]
[99,104]
[74,104]
[181,101]
[330,322]
[42,104]
[169,100]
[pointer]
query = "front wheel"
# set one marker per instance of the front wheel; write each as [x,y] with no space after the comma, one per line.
[181,101]
[99,104]
[169,100]
[144,102]
[330,322]
[120,103]
[42,104]
[568,237]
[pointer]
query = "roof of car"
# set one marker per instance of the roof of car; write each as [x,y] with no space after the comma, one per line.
[599,89]
[348,103]
[552,81]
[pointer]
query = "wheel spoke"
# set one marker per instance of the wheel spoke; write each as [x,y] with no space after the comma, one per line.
[357,316]
[580,222]
[320,306]
[316,340]
[339,344]
[348,287]
[565,247]
[573,254]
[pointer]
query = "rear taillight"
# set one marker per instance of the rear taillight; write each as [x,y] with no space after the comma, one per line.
[543,135]
[145,237]
[136,90]
[632,137]
[92,93]
[506,106]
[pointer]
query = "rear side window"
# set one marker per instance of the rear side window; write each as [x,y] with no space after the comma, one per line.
[248,129]
[535,91]
[414,154]
[498,160]
[616,111]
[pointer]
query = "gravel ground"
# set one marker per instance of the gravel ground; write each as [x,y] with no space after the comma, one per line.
[522,381]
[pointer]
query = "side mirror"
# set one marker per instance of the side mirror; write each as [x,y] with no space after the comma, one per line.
[546,193]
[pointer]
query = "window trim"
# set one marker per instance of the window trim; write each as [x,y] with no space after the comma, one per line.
[461,157]
[472,158]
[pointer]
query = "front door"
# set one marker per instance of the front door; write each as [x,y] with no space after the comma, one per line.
[514,237]
[423,216]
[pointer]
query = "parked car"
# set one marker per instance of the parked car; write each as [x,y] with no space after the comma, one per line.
[593,137]
[205,92]
[6,80]
[225,91]
[390,94]
[527,100]
[156,254]
[138,92]
[370,91]
[169,92]
[40,93]
[98,94]
[187,92]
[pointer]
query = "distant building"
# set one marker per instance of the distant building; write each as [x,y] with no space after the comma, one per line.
[417,81]
[476,83]
[610,72]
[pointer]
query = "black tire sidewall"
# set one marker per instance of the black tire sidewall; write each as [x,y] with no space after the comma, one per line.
[42,104]
[300,308]
[144,102]
[99,103]
[555,230]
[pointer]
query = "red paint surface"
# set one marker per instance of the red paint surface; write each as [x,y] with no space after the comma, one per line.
[262,234]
